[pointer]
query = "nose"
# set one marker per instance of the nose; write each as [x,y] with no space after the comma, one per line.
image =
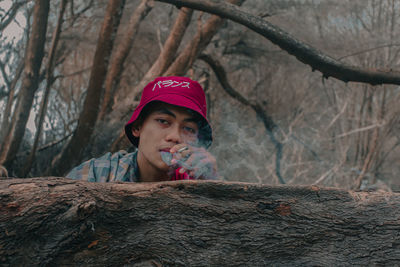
[174,135]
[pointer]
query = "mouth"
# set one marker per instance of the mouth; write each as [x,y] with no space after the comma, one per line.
[165,149]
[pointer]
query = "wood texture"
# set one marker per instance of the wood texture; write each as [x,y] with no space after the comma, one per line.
[59,222]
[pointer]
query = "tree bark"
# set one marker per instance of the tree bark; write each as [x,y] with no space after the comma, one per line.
[317,60]
[30,82]
[121,53]
[72,154]
[62,222]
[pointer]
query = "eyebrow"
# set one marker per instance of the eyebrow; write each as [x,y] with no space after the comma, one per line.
[170,113]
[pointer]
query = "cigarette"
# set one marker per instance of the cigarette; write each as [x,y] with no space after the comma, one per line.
[182,149]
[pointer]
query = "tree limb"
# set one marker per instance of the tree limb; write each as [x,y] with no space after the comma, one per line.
[49,82]
[62,222]
[120,54]
[317,60]
[199,42]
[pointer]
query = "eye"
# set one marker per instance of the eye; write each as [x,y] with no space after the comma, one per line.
[190,129]
[162,121]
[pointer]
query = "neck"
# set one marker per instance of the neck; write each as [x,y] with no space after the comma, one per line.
[148,172]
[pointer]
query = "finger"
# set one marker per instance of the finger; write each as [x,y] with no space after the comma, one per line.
[174,164]
[178,157]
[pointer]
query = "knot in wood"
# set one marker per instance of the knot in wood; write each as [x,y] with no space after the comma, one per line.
[283,209]
[86,208]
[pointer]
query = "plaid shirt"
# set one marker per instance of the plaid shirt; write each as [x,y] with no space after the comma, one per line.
[120,166]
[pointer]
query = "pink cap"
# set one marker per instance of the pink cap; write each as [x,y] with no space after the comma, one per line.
[179,91]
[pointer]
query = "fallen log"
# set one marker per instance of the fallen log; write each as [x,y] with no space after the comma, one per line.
[59,222]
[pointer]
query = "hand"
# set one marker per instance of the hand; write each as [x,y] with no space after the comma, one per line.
[197,162]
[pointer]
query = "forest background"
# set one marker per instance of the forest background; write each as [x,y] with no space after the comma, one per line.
[73,76]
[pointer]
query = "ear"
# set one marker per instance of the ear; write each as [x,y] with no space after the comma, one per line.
[135,130]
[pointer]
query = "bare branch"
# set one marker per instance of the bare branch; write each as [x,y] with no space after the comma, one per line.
[50,80]
[11,96]
[73,73]
[10,15]
[366,128]
[5,77]
[46,146]
[369,50]
[75,16]
[33,60]
[328,66]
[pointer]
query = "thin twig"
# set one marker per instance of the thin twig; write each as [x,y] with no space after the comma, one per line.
[359,130]
[337,116]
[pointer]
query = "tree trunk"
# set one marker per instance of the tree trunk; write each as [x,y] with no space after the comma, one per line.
[163,61]
[62,222]
[33,61]
[121,53]
[199,42]
[49,82]
[170,47]
[72,154]
[10,100]
[165,65]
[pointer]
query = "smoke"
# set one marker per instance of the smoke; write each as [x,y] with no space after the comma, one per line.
[243,151]
[202,169]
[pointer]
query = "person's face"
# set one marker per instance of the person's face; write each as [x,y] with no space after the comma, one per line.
[165,126]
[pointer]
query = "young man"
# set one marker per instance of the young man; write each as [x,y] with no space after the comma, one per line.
[171,133]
